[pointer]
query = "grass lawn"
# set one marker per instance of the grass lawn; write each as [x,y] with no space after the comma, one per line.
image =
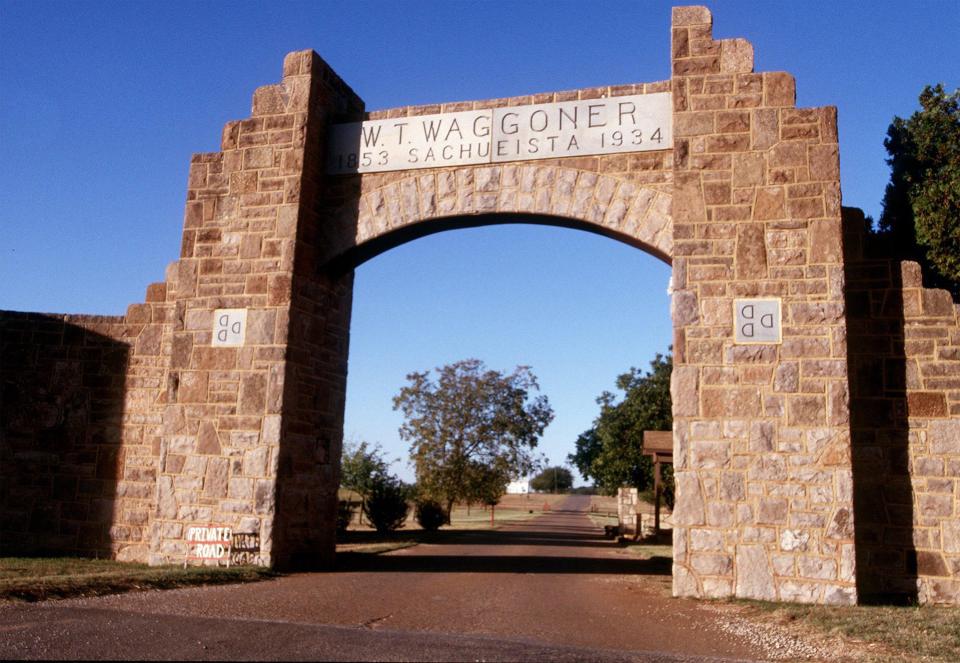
[601,520]
[901,634]
[362,538]
[35,579]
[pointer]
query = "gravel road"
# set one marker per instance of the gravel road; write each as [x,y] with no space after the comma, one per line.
[550,588]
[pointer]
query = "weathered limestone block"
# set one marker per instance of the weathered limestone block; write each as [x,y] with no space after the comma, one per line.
[753,574]
[684,388]
[689,509]
[944,436]
[684,582]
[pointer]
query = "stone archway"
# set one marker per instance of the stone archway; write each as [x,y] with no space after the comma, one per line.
[609,205]
[744,203]
[542,194]
[231,407]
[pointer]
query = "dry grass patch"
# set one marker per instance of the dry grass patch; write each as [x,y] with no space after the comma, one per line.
[603,503]
[363,539]
[36,579]
[877,633]
[512,508]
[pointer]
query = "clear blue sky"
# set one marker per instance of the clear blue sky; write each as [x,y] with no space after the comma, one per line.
[101,105]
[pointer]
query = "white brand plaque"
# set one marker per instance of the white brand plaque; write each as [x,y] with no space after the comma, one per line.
[229,326]
[634,123]
[756,321]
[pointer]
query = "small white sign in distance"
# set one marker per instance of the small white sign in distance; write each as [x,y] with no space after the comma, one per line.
[611,125]
[757,321]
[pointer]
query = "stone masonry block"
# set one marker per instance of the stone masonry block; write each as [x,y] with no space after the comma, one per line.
[736,56]
[754,577]
[690,508]
[769,203]
[751,251]
[927,404]
[734,401]
[779,89]
[270,100]
[944,436]
[691,15]
[684,386]
[824,162]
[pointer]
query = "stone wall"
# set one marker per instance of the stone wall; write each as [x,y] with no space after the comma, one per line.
[764,485]
[237,418]
[315,381]
[61,403]
[904,360]
[80,428]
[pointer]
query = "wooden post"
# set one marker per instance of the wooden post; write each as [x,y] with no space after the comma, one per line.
[658,445]
[657,489]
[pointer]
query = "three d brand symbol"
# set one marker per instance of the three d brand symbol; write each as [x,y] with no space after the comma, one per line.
[748,312]
[229,326]
[757,321]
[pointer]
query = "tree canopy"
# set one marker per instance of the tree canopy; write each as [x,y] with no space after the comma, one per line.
[611,452]
[471,429]
[553,480]
[360,466]
[921,205]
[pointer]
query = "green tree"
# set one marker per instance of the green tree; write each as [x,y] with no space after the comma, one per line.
[611,452]
[361,467]
[471,428]
[587,448]
[921,205]
[386,506]
[488,483]
[553,480]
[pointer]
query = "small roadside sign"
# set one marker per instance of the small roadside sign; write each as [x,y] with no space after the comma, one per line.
[208,542]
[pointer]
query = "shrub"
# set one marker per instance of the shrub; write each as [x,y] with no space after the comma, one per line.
[345,511]
[430,515]
[386,505]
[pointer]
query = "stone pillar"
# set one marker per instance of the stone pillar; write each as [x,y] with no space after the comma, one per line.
[249,441]
[628,512]
[762,444]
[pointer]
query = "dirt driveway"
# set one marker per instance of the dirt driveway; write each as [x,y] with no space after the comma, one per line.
[547,588]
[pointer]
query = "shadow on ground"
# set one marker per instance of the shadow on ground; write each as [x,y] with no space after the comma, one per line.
[500,564]
[577,537]
[572,549]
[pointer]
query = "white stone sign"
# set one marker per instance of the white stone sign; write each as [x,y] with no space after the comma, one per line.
[756,321]
[209,542]
[424,141]
[633,123]
[229,326]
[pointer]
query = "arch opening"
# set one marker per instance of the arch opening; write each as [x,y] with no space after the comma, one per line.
[373,356]
[359,254]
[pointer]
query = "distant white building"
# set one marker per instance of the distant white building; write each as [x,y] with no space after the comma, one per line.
[518,487]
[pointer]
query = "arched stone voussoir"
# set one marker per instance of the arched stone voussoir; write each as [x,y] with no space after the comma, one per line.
[549,194]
